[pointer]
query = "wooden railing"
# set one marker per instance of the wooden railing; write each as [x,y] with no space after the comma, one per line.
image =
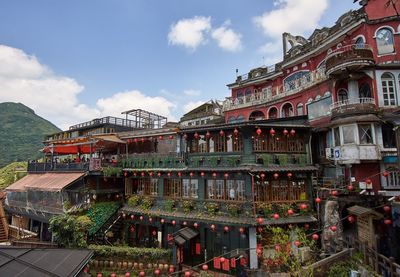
[20,233]
[4,220]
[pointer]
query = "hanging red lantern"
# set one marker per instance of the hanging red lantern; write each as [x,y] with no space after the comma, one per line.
[187,274]
[315,237]
[99,274]
[185,136]
[334,193]
[226,229]
[276,175]
[195,225]
[368,181]
[387,221]
[125,173]
[151,174]
[128,141]
[157,272]
[262,175]
[292,132]
[135,140]
[386,208]
[134,174]
[235,132]
[162,220]
[212,227]
[169,174]
[171,137]
[132,217]
[173,222]
[385,174]
[141,217]
[132,229]
[303,206]
[113,274]
[179,174]
[154,233]
[184,223]
[202,174]
[205,267]
[259,220]
[241,230]
[297,243]
[214,174]
[318,200]
[160,137]
[306,226]
[285,132]
[159,174]
[143,139]
[226,175]
[191,174]
[221,133]
[290,212]
[150,219]
[222,260]
[196,135]
[333,228]
[350,187]
[351,219]
[142,274]
[171,269]
[208,135]
[276,216]
[289,175]
[128,274]
[272,132]
[258,131]
[142,174]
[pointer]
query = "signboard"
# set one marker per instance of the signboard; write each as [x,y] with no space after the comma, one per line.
[364,185]
[337,153]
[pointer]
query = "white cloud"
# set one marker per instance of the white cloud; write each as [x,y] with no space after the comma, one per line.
[192,92]
[294,16]
[190,32]
[192,105]
[24,79]
[227,39]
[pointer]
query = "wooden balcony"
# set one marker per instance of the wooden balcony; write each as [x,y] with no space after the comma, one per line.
[357,106]
[349,58]
[153,160]
[58,167]
[213,161]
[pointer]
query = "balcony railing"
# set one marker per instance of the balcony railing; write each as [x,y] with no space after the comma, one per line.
[349,56]
[273,93]
[60,167]
[355,101]
[353,107]
[153,160]
[106,120]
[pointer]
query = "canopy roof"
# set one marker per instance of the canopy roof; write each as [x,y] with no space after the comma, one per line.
[45,182]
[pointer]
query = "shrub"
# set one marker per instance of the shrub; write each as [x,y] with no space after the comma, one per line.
[133,201]
[100,212]
[212,208]
[147,203]
[169,205]
[187,206]
[233,209]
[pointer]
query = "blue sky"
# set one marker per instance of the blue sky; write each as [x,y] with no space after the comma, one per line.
[75,60]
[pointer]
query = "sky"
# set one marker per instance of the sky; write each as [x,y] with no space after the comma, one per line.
[72,61]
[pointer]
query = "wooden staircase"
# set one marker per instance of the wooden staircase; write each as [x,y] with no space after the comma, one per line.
[3,224]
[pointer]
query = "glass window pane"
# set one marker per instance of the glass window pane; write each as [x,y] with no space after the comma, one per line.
[348,134]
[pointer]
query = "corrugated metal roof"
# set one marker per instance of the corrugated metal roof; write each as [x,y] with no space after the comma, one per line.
[363,211]
[45,182]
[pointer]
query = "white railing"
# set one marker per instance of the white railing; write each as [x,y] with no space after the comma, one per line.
[267,95]
[348,48]
[354,101]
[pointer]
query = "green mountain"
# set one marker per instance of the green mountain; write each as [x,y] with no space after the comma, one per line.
[21,133]
[12,173]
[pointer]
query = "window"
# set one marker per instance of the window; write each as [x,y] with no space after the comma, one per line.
[297,80]
[360,41]
[146,186]
[190,188]
[342,96]
[272,113]
[181,188]
[280,191]
[234,143]
[365,133]
[388,90]
[287,110]
[384,41]
[365,91]
[336,134]
[393,180]
[231,190]
[348,134]
[388,136]
[300,109]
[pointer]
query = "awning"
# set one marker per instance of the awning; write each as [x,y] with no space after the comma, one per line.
[109,138]
[363,211]
[184,234]
[45,182]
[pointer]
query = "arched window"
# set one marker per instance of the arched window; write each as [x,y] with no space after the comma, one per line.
[365,91]
[231,119]
[384,41]
[300,109]
[297,79]
[273,113]
[388,90]
[342,95]
[257,115]
[239,93]
[287,110]
[360,41]
[240,118]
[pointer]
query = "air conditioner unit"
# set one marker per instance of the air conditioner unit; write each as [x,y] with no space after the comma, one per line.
[329,153]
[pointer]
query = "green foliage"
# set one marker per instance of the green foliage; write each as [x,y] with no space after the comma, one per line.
[9,174]
[67,205]
[233,209]
[133,201]
[187,206]
[212,208]
[266,208]
[341,269]
[99,213]
[151,255]
[112,171]
[147,203]
[21,133]
[70,230]
[169,205]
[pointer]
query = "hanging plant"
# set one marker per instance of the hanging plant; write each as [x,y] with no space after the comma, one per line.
[133,201]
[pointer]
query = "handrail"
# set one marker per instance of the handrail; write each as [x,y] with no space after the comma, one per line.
[352,101]
[347,48]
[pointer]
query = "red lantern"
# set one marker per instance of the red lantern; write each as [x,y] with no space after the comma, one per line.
[99,274]
[205,267]
[262,175]
[368,181]
[241,230]
[132,217]
[173,222]
[151,174]
[350,187]
[208,135]
[143,139]
[306,226]
[289,175]
[162,220]
[277,248]
[334,192]
[222,259]
[202,174]
[195,225]
[135,140]
[292,132]
[315,237]
[125,173]
[134,174]
[214,174]
[169,174]
[272,132]
[212,227]
[226,229]
[171,137]
[150,219]
[191,174]
[221,133]
[159,174]
[160,138]
[185,136]
[113,275]
[157,272]
[142,174]
[187,274]
[196,135]
[387,221]
[351,219]
[184,223]
[141,217]
[276,175]
[235,132]
[386,208]
[290,212]
[128,141]
[179,174]
[171,269]
[226,175]
[128,274]
[297,243]
[303,206]
[285,132]
[385,174]
[318,200]
[276,216]
[259,220]
[333,228]
[142,274]
[258,131]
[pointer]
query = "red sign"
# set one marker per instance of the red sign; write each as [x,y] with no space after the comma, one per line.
[198,248]
[217,264]
[225,265]
[233,262]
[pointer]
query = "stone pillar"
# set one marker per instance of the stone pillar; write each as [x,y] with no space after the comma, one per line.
[352,87]
[332,238]
[253,259]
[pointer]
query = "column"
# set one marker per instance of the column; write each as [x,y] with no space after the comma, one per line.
[253,260]
[352,87]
